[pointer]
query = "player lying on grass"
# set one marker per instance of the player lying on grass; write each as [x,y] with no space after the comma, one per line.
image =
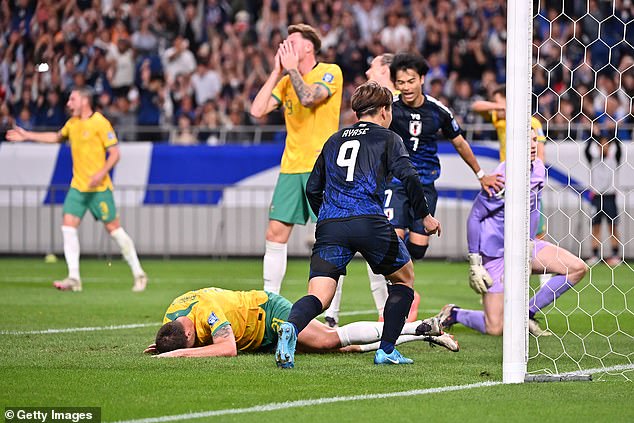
[214,322]
[485,237]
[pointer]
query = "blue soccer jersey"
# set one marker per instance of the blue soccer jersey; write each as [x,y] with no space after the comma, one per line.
[419,128]
[350,174]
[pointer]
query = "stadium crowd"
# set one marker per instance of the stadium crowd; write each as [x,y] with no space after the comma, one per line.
[196,65]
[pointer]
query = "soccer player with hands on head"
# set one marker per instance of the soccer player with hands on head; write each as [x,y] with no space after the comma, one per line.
[310,93]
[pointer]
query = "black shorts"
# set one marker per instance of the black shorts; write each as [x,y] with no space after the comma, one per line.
[337,241]
[399,210]
[604,206]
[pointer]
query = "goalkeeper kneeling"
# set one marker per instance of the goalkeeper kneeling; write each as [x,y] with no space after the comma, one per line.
[485,238]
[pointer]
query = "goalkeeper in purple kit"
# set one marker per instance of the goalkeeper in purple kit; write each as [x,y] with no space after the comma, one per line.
[485,238]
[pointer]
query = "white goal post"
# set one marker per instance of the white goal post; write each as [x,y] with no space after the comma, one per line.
[580,61]
[516,223]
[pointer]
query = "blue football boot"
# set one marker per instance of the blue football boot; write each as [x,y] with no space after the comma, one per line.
[395,357]
[286,342]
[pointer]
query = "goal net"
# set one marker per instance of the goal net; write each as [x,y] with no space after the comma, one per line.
[582,87]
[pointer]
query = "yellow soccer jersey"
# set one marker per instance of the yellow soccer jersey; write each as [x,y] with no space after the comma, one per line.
[89,140]
[213,308]
[500,127]
[309,128]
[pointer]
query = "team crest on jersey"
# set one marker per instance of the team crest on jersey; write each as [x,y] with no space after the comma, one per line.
[212,319]
[415,127]
[328,77]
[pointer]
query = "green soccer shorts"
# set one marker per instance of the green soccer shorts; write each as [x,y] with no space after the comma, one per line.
[276,310]
[100,204]
[289,203]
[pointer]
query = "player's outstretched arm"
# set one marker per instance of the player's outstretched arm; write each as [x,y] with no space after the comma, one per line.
[224,345]
[482,106]
[19,134]
[490,183]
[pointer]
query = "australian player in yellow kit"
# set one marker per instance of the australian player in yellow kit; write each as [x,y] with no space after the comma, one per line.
[310,94]
[95,151]
[214,322]
[495,111]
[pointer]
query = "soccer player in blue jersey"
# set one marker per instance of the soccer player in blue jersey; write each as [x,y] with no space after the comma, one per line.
[346,189]
[485,238]
[418,118]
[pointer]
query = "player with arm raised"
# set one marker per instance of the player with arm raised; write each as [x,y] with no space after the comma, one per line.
[346,189]
[95,151]
[310,93]
[485,238]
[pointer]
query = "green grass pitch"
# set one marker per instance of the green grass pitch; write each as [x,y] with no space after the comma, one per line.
[105,368]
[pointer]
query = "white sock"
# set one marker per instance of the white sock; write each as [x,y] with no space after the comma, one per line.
[274,266]
[333,310]
[378,285]
[400,340]
[71,251]
[410,327]
[359,333]
[543,278]
[127,250]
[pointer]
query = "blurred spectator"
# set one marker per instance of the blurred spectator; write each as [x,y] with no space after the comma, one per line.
[184,134]
[50,111]
[206,83]
[143,40]
[25,120]
[222,50]
[178,59]
[151,100]
[121,58]
[123,119]
[396,36]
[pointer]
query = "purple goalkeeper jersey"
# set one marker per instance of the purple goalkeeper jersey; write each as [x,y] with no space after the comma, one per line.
[485,225]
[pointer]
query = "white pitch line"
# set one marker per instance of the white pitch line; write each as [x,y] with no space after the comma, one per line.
[307,403]
[320,401]
[82,329]
[616,368]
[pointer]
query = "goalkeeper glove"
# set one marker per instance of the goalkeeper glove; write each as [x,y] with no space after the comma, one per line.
[479,279]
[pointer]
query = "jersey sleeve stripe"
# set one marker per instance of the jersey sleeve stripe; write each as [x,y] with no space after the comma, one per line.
[279,101]
[326,87]
[439,104]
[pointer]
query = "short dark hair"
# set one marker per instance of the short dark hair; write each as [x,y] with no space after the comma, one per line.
[308,33]
[369,97]
[406,61]
[171,336]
